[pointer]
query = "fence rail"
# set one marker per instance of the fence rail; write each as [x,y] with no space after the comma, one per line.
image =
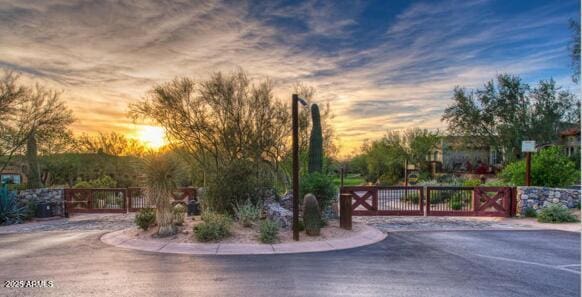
[370,201]
[116,200]
[439,201]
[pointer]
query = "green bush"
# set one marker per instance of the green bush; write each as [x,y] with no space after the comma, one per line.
[179,213]
[556,213]
[411,196]
[145,218]
[311,215]
[215,226]
[10,211]
[530,213]
[269,231]
[104,181]
[236,183]
[455,204]
[549,168]
[247,213]
[471,182]
[321,186]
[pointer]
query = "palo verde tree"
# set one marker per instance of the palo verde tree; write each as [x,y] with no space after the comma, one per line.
[36,114]
[507,111]
[112,143]
[225,123]
[315,142]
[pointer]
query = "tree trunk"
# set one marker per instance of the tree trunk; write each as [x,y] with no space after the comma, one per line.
[165,221]
[34,181]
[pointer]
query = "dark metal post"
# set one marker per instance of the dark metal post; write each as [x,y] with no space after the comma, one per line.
[295,119]
[346,211]
[406,172]
[528,169]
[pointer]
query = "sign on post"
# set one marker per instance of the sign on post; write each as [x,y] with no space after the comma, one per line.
[412,178]
[528,146]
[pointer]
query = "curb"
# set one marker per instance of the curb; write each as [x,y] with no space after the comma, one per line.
[367,236]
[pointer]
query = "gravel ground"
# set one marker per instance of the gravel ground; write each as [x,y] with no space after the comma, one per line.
[80,222]
[393,223]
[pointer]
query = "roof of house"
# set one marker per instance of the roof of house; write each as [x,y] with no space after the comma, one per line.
[572,131]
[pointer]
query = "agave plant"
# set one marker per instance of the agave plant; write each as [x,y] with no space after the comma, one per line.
[10,211]
[159,178]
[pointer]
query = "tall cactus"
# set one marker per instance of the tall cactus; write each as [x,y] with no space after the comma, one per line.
[315,142]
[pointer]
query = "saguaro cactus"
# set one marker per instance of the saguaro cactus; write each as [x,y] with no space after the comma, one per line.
[311,215]
[315,142]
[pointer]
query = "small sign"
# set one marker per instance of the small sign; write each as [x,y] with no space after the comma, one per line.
[528,146]
[412,178]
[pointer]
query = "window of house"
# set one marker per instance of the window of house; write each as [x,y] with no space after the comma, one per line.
[10,178]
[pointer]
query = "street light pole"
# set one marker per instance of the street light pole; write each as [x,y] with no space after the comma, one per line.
[295,119]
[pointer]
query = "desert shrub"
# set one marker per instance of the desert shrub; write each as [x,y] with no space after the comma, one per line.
[556,213]
[247,213]
[411,196]
[311,215]
[269,231]
[145,218]
[549,168]
[104,181]
[236,183]
[179,212]
[321,186]
[471,182]
[215,226]
[455,204]
[530,213]
[10,211]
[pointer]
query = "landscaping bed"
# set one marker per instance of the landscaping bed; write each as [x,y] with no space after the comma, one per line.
[240,234]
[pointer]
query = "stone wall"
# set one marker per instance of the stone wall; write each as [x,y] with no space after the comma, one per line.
[540,197]
[56,196]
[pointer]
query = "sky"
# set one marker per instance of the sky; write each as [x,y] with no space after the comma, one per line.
[380,64]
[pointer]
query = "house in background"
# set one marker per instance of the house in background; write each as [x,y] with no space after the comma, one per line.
[13,174]
[570,141]
[456,154]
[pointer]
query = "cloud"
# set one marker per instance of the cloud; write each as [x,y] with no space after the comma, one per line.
[106,54]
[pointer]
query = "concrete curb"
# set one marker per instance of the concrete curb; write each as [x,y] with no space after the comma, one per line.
[366,236]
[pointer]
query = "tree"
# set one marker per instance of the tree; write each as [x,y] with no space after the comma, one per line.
[35,114]
[113,143]
[222,121]
[575,50]
[419,143]
[10,95]
[549,168]
[507,111]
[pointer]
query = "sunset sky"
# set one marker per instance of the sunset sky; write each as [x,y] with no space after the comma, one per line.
[381,64]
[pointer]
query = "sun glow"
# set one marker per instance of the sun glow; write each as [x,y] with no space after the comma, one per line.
[152,136]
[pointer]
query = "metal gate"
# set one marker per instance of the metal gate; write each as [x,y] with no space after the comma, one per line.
[386,201]
[439,201]
[118,200]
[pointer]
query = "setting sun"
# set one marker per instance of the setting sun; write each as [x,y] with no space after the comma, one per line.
[152,136]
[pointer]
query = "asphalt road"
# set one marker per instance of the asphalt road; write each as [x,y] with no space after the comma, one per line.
[468,263]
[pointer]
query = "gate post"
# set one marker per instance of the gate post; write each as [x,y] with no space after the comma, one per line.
[346,211]
[427,213]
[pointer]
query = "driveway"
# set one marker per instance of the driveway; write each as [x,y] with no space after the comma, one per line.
[453,263]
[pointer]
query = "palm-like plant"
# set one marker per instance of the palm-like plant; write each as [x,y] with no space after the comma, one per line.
[159,178]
